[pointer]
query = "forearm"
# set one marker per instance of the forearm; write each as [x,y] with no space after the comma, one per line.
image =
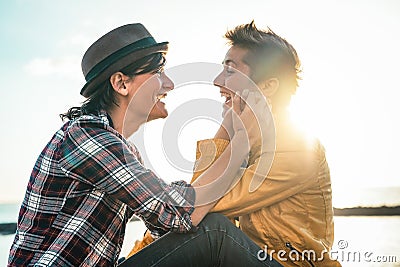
[222,133]
[212,184]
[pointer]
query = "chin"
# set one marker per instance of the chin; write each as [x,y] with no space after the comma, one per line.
[152,117]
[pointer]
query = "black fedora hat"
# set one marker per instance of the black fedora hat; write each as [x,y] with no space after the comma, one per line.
[116,50]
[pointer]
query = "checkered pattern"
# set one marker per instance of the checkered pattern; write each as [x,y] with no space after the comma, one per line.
[85,186]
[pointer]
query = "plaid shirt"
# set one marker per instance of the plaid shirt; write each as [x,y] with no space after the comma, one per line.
[85,186]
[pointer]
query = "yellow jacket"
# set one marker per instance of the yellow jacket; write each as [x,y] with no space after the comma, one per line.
[292,209]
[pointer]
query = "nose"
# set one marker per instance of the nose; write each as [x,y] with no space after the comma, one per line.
[167,83]
[219,80]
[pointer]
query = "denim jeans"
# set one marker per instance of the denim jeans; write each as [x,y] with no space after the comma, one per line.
[217,242]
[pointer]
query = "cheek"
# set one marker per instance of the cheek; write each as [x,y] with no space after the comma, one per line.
[231,83]
[150,89]
[154,85]
[237,82]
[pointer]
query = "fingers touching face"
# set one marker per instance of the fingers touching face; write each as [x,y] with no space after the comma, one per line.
[235,75]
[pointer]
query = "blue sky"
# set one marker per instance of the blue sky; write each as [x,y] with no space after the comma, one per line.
[348,96]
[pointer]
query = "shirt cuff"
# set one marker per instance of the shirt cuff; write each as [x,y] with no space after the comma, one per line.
[185,191]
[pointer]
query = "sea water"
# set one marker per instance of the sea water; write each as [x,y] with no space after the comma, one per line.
[376,237]
[359,240]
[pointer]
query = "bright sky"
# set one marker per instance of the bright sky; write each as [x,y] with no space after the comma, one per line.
[348,96]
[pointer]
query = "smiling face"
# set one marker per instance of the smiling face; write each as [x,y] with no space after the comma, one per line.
[235,75]
[144,97]
[165,85]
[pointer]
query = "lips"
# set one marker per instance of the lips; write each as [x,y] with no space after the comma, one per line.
[160,96]
[158,110]
[228,97]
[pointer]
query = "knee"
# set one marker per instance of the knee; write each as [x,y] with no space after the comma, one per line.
[215,221]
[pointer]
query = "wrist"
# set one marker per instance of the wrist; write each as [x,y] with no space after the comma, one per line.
[241,140]
[222,133]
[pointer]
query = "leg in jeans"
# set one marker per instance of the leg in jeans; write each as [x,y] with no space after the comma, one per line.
[217,242]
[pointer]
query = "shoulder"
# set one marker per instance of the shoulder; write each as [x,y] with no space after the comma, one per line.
[89,132]
[91,125]
[88,121]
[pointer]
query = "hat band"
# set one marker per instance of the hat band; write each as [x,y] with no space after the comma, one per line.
[102,65]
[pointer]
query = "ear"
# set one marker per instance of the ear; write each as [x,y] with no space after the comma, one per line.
[117,81]
[269,87]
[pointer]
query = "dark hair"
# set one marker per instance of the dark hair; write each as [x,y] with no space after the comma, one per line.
[104,97]
[268,55]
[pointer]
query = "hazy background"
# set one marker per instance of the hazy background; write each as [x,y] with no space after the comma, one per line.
[348,96]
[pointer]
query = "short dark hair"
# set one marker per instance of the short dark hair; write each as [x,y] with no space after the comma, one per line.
[269,55]
[104,97]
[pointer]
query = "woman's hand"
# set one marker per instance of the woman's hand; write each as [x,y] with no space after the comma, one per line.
[225,130]
[252,114]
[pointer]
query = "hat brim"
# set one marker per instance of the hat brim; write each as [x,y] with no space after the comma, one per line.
[95,81]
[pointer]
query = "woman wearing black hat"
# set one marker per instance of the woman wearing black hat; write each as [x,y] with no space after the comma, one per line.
[89,180]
